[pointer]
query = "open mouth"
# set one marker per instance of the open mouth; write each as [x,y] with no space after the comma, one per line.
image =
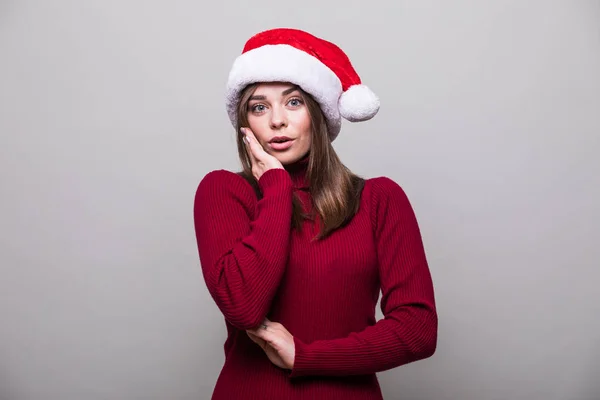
[281,143]
[280,140]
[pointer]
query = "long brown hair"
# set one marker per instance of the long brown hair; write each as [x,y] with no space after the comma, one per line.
[334,188]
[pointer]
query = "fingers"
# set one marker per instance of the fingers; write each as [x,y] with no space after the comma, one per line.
[262,327]
[249,151]
[266,338]
[256,149]
[261,337]
[261,342]
[268,332]
[276,342]
[263,330]
[251,144]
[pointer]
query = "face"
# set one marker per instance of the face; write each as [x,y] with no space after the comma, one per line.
[279,118]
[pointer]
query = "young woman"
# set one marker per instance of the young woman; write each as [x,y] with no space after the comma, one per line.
[295,248]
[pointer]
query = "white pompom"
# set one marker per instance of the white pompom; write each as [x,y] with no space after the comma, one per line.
[358,103]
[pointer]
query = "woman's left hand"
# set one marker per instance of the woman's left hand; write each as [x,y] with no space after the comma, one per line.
[277,343]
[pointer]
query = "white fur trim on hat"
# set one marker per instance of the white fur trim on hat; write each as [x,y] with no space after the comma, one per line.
[285,63]
[358,103]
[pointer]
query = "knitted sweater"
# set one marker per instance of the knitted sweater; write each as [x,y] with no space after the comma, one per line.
[323,292]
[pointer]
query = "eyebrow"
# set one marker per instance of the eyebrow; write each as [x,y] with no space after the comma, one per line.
[284,93]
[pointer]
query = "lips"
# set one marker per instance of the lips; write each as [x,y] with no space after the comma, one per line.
[280,143]
[279,139]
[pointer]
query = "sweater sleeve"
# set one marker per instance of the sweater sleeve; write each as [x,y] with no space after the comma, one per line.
[408,331]
[243,243]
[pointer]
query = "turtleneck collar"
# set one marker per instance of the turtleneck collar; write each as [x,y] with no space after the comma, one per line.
[297,172]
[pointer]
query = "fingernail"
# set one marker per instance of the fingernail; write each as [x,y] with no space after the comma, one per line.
[245,139]
[243,130]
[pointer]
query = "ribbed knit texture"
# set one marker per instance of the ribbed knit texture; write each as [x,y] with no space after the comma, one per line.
[324,292]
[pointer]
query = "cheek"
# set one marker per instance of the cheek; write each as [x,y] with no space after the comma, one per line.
[304,126]
[260,128]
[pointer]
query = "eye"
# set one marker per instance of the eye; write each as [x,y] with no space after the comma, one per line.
[295,102]
[257,108]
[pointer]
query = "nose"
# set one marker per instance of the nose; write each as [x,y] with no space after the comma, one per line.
[278,118]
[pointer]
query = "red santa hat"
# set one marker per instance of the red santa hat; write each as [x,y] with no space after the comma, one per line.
[319,67]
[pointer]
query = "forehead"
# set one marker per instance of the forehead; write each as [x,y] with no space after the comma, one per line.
[273,88]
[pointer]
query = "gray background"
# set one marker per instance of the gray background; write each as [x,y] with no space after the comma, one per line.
[112,111]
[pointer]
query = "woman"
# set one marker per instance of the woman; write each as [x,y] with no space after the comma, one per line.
[295,248]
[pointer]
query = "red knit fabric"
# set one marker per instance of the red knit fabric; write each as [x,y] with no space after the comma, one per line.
[324,292]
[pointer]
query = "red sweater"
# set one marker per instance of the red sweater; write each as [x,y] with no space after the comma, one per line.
[324,292]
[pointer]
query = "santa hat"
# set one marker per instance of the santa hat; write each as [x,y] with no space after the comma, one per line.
[319,67]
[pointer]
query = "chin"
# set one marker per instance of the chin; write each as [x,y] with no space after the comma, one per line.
[286,159]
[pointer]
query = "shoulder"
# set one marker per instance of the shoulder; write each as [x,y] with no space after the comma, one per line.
[221,176]
[221,184]
[387,199]
[383,188]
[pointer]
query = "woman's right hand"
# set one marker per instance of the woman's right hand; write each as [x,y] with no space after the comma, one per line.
[261,160]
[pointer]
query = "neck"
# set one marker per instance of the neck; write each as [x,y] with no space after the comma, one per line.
[297,171]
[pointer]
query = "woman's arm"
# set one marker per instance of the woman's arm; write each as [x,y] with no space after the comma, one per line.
[408,331]
[243,258]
